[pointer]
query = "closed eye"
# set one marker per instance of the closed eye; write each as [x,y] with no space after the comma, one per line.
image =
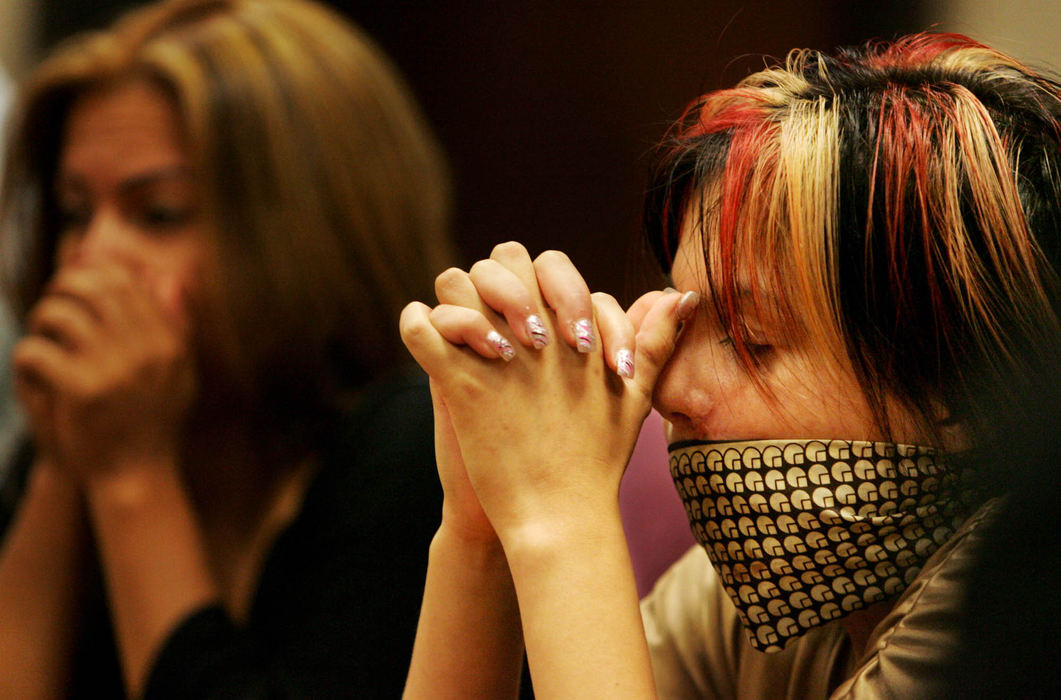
[757,351]
[165,217]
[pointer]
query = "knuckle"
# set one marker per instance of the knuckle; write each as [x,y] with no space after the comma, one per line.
[440,314]
[413,325]
[509,250]
[449,281]
[552,257]
[577,297]
[657,353]
[481,266]
[653,355]
[465,387]
[604,299]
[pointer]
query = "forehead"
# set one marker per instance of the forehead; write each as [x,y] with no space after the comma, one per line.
[118,132]
[704,262]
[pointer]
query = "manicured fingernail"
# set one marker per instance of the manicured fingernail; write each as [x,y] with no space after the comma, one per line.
[687,305]
[624,363]
[539,336]
[669,290]
[584,337]
[501,344]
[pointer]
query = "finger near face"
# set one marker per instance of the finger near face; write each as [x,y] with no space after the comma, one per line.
[38,361]
[641,306]
[616,334]
[514,257]
[454,286]
[463,326]
[568,295]
[126,307]
[504,292]
[63,319]
[106,288]
[427,346]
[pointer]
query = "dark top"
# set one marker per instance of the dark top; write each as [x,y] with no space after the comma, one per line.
[336,607]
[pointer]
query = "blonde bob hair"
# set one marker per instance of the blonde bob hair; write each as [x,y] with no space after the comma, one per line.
[327,193]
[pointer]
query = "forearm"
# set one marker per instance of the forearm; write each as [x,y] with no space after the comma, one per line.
[578,600]
[151,552]
[468,641]
[41,563]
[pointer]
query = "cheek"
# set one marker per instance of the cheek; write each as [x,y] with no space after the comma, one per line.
[796,401]
[189,268]
[822,403]
[64,251]
[188,276]
[174,274]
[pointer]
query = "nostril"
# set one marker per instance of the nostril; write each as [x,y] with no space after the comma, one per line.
[680,422]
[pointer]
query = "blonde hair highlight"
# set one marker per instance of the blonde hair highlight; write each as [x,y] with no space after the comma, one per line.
[886,194]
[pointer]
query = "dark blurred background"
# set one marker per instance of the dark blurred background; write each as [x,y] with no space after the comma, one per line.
[548,110]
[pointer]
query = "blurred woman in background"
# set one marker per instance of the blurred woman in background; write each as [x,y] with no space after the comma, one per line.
[213,213]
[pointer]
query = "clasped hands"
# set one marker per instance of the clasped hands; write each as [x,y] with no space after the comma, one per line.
[539,387]
[105,372]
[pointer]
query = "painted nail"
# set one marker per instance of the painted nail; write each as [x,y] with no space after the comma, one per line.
[584,337]
[687,305]
[624,363]
[669,290]
[539,336]
[501,344]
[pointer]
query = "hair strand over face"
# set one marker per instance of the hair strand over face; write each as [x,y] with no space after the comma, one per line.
[900,199]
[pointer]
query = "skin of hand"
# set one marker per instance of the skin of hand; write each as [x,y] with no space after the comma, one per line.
[544,437]
[529,459]
[105,372]
[461,510]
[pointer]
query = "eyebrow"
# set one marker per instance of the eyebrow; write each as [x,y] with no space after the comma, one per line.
[176,172]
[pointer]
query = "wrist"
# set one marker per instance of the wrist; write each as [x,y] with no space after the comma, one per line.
[455,536]
[470,559]
[473,531]
[130,484]
[46,477]
[50,489]
[563,534]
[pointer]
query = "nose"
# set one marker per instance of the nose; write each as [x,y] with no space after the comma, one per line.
[103,237]
[687,391]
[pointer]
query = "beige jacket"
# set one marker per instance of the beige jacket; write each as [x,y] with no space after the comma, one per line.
[699,649]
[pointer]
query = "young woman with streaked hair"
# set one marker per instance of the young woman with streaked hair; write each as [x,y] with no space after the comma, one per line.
[214,211]
[865,247]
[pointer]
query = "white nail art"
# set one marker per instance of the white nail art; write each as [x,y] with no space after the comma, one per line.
[584,337]
[539,336]
[624,363]
[501,344]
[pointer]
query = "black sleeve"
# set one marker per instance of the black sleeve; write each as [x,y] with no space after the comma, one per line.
[338,600]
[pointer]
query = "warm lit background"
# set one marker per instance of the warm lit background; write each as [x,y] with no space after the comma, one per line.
[548,109]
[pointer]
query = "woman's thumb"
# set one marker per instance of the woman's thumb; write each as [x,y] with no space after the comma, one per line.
[658,328]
